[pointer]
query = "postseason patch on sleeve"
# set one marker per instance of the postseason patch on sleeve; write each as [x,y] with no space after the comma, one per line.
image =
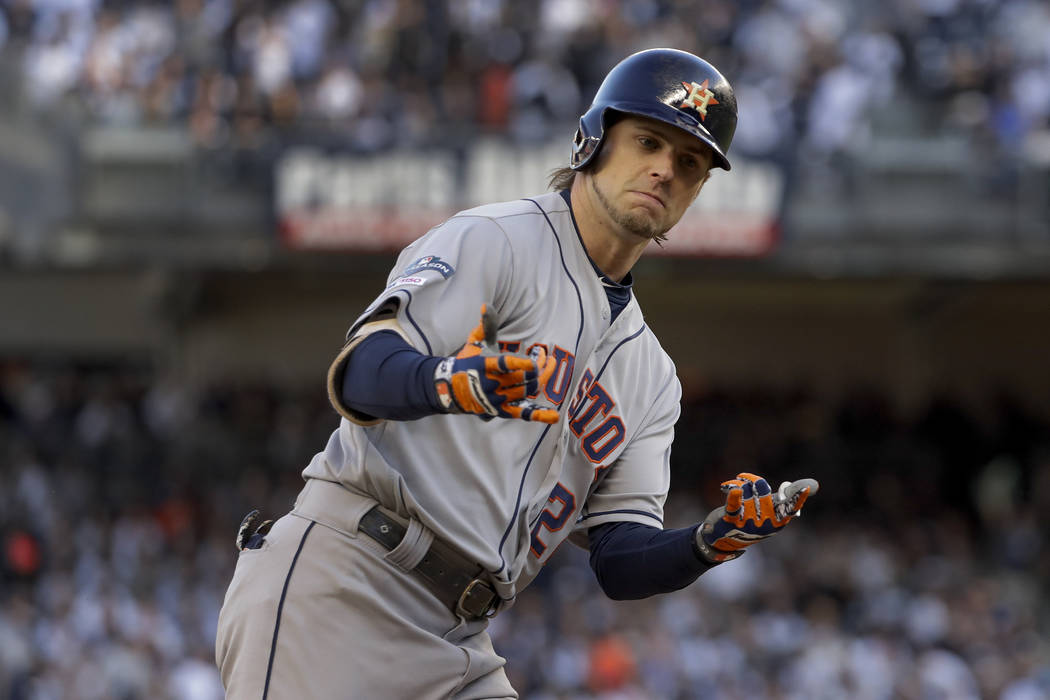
[408,280]
[429,262]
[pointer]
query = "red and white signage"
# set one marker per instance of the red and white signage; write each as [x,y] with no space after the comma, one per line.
[340,202]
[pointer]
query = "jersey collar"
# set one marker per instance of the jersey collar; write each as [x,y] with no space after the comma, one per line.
[628,280]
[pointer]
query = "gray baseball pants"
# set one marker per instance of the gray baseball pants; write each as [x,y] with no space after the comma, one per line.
[322,611]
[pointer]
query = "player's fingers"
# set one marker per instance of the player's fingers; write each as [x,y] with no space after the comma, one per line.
[530,411]
[546,364]
[510,393]
[810,486]
[793,494]
[468,350]
[800,499]
[540,415]
[532,372]
[731,484]
[761,494]
[468,394]
[758,503]
[765,508]
[476,339]
[734,497]
[748,490]
[478,334]
[759,485]
[540,372]
[515,377]
[509,363]
[498,370]
[750,507]
[786,511]
[795,497]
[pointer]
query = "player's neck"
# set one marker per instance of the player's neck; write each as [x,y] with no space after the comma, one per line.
[614,251]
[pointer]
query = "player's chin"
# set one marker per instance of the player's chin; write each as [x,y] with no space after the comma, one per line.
[640,220]
[649,227]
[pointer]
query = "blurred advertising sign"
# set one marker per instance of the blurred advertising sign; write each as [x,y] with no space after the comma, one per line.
[380,203]
[336,201]
[736,214]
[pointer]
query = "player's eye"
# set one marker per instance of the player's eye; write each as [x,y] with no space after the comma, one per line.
[647,142]
[689,162]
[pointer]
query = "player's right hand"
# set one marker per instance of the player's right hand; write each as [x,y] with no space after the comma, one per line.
[481,380]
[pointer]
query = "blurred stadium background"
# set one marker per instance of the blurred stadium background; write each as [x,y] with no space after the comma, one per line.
[197,197]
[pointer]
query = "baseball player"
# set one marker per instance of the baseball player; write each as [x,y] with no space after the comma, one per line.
[502,394]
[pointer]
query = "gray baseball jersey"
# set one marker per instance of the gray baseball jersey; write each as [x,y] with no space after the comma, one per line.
[318,610]
[508,492]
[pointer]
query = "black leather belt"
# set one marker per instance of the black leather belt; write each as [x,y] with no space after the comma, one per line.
[454,579]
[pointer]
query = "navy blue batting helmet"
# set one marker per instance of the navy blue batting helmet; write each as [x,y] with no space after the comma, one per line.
[673,86]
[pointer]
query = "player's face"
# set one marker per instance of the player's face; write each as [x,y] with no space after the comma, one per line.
[648,173]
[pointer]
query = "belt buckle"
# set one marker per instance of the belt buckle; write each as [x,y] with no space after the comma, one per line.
[475,603]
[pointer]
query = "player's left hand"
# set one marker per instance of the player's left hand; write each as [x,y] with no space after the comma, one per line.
[752,513]
[481,380]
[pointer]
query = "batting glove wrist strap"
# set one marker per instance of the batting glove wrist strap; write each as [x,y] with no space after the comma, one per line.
[709,553]
[752,513]
[443,384]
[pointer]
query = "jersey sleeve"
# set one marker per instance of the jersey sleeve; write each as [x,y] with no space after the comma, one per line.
[433,295]
[441,280]
[634,488]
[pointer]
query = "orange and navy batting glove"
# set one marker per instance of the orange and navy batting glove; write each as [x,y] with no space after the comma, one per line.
[481,380]
[752,513]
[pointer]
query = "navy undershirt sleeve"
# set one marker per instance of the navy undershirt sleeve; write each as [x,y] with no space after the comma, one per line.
[387,378]
[633,561]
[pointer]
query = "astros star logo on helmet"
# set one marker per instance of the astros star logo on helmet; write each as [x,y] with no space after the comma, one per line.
[699,98]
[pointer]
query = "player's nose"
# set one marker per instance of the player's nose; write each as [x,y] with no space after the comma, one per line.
[661,165]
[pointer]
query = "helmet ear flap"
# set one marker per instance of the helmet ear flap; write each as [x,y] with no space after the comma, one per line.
[590,134]
[585,142]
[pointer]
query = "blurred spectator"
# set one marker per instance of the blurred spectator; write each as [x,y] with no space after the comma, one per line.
[810,73]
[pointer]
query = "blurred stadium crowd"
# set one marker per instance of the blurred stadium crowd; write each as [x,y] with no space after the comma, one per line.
[811,73]
[920,571]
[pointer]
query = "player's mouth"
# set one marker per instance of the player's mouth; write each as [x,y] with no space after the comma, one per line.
[650,197]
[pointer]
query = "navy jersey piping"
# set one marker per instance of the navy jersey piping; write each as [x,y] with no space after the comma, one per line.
[567,196]
[517,502]
[628,280]
[623,510]
[576,349]
[580,408]
[408,314]
[280,609]
[561,256]
[608,360]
